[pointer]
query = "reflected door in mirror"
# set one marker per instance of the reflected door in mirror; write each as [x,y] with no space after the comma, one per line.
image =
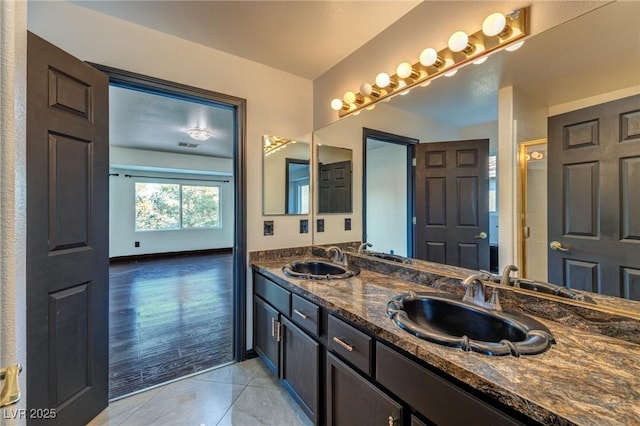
[594,198]
[452,203]
[335,187]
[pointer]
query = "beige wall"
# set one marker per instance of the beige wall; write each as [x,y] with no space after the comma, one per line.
[278,103]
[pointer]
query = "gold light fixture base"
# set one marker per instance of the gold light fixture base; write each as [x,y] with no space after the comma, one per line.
[515,30]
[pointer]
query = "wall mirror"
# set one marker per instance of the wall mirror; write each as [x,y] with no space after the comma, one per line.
[286,179]
[466,106]
[334,179]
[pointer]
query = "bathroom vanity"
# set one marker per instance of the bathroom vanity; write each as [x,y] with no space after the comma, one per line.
[333,347]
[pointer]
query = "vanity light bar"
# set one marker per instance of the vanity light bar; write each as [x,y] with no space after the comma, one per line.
[473,48]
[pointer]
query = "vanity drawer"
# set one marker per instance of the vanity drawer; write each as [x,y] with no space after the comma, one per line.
[432,396]
[305,314]
[277,296]
[350,343]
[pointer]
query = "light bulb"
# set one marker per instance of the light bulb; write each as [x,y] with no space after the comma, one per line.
[514,47]
[450,73]
[349,97]
[429,57]
[383,80]
[426,83]
[458,41]
[337,104]
[405,70]
[481,60]
[494,24]
[369,108]
[366,89]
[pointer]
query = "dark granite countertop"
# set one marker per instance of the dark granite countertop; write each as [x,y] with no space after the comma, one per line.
[584,379]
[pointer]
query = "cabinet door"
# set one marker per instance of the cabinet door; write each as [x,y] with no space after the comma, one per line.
[301,368]
[265,334]
[352,400]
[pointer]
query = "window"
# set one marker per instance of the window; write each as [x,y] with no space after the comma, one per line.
[165,206]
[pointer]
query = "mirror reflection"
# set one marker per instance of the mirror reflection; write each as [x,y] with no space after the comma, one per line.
[468,106]
[334,179]
[286,176]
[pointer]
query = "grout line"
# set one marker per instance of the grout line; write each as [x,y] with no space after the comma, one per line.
[232,404]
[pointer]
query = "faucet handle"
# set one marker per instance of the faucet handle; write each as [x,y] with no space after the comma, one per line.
[468,294]
[494,301]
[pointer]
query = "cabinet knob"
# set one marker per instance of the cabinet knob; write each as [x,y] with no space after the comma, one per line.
[392,420]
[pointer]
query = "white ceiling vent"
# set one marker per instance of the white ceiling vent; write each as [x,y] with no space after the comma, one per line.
[188,145]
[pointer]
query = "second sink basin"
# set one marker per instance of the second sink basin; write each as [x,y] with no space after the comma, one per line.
[317,269]
[446,320]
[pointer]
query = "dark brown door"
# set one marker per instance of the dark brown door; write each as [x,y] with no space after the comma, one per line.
[335,187]
[452,203]
[67,235]
[594,198]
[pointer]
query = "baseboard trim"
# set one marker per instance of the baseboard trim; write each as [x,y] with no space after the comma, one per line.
[131,258]
[250,354]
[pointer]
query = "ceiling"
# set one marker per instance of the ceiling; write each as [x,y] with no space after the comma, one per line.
[305,38]
[143,120]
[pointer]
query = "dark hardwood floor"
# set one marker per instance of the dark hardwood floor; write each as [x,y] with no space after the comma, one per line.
[169,317]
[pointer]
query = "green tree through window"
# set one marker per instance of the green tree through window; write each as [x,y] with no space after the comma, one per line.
[164,206]
[200,206]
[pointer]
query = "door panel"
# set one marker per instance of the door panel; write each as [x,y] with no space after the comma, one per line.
[452,203]
[67,238]
[335,187]
[594,198]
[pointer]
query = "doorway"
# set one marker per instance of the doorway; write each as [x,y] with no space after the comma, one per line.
[387,202]
[532,230]
[171,220]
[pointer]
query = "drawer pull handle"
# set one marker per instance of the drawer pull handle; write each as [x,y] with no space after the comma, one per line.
[278,332]
[343,344]
[300,314]
[273,326]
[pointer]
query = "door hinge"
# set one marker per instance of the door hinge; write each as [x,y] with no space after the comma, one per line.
[526,232]
[413,161]
[413,219]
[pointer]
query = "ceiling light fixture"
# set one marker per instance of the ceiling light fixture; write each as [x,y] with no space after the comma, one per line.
[199,133]
[498,32]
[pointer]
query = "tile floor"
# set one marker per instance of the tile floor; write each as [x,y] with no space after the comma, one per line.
[242,394]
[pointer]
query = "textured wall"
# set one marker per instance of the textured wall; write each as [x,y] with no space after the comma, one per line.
[13,49]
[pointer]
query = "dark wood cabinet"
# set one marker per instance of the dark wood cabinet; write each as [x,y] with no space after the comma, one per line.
[266,334]
[362,382]
[300,368]
[352,400]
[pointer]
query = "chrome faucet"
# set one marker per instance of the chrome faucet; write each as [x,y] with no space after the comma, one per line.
[506,274]
[338,256]
[476,292]
[363,247]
